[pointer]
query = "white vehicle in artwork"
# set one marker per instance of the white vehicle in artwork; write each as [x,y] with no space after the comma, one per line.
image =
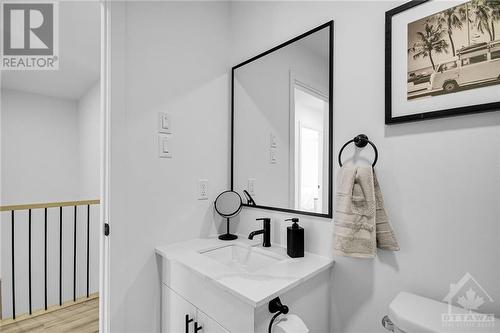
[475,64]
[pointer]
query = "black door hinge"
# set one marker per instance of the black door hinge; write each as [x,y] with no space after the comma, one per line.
[106,229]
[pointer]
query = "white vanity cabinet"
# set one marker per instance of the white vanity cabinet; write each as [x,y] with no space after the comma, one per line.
[180,316]
[200,294]
[208,324]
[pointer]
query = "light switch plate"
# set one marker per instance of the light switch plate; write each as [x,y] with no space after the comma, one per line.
[164,123]
[164,146]
[272,140]
[202,189]
[251,186]
[273,158]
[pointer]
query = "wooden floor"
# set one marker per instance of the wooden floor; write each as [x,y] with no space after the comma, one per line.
[78,318]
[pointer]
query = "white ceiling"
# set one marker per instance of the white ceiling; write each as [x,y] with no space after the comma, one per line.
[79,54]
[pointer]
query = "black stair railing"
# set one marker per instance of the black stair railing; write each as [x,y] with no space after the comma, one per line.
[45,207]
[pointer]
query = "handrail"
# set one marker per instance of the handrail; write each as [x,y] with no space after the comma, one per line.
[49,205]
[45,206]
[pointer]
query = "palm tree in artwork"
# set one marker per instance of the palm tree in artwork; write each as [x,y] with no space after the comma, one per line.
[495,15]
[482,11]
[452,18]
[430,40]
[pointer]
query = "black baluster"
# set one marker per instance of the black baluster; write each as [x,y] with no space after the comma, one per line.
[29,259]
[45,255]
[13,273]
[74,259]
[187,321]
[88,248]
[60,255]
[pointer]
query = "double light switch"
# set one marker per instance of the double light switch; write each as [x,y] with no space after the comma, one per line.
[165,130]
[273,144]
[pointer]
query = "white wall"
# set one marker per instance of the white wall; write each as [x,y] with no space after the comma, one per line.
[173,57]
[89,142]
[41,162]
[440,177]
[39,148]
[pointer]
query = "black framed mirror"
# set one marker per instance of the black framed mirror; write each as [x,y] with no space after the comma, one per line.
[282,126]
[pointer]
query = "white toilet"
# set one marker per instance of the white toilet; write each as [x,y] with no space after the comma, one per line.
[410,313]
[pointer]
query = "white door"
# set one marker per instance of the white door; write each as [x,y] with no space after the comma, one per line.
[309,164]
[178,315]
[207,324]
[310,169]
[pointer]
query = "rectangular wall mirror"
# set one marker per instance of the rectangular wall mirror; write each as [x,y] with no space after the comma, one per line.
[282,125]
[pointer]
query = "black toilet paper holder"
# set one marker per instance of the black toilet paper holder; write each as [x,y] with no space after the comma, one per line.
[275,306]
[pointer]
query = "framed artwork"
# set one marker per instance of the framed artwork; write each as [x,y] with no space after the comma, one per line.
[442,58]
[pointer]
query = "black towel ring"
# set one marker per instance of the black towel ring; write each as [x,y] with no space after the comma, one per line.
[360,141]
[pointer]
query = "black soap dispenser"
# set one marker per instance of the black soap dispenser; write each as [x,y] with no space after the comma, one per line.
[295,239]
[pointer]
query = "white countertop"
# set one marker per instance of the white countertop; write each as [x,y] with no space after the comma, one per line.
[255,288]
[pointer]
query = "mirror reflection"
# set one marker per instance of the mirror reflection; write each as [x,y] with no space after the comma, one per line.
[228,204]
[281,126]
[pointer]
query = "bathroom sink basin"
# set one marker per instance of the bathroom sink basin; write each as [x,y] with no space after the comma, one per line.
[242,257]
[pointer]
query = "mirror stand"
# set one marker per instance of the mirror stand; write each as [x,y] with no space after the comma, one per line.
[227,235]
[228,204]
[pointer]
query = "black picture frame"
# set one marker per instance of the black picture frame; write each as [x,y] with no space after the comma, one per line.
[329,213]
[389,119]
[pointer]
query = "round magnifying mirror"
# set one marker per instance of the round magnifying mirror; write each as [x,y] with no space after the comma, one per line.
[228,204]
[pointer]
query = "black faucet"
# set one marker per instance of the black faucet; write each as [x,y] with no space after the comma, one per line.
[266,240]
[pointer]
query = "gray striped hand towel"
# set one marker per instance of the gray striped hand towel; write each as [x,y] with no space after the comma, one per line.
[361,222]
